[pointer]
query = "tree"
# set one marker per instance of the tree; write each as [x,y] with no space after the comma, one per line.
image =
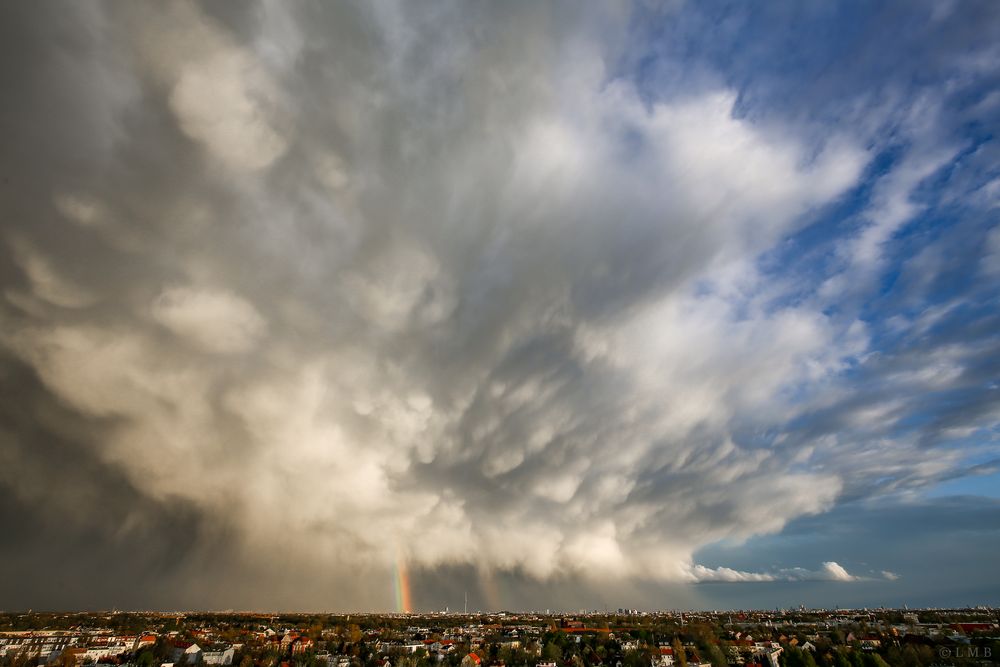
[875,660]
[717,657]
[68,658]
[552,652]
[680,655]
[839,659]
[791,657]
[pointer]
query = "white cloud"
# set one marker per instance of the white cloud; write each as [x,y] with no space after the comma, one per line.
[222,93]
[836,572]
[402,286]
[700,573]
[400,363]
[222,102]
[216,321]
[829,571]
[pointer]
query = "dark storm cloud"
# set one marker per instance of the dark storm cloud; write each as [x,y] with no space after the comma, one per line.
[69,520]
[294,294]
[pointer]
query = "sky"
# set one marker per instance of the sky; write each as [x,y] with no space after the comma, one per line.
[360,306]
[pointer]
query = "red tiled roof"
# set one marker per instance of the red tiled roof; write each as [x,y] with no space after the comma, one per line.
[972,627]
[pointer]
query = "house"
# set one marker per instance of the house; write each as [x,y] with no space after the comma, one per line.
[664,657]
[970,628]
[870,643]
[301,645]
[97,653]
[471,660]
[190,652]
[218,657]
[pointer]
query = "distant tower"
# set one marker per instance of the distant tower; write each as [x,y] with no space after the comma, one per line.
[466,603]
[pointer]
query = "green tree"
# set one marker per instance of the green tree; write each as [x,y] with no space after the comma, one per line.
[791,657]
[875,660]
[839,659]
[551,651]
[717,657]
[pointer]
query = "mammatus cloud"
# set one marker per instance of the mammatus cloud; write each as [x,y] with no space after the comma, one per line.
[476,304]
[214,321]
[47,285]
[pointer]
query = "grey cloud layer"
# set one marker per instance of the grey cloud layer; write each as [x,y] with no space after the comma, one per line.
[351,294]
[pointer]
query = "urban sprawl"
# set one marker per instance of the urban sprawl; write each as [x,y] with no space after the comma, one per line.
[626,638]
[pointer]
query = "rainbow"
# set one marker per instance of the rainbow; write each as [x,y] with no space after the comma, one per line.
[404,604]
